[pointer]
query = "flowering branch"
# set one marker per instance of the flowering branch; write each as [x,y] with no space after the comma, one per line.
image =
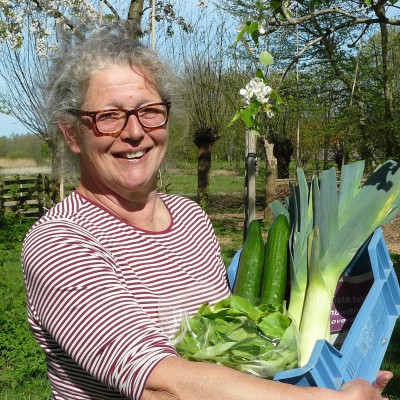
[257,95]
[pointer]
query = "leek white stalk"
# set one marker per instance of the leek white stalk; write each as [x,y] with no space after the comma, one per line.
[320,292]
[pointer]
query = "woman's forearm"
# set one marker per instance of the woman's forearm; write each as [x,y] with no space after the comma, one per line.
[178,379]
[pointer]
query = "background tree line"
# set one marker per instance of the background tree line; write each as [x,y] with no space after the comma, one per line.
[27,146]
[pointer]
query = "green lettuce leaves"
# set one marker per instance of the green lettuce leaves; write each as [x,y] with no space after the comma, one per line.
[257,340]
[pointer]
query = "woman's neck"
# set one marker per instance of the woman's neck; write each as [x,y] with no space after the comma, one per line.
[146,212]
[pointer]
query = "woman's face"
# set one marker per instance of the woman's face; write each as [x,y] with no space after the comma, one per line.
[126,165]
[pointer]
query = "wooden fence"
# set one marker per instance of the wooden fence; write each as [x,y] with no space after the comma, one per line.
[30,196]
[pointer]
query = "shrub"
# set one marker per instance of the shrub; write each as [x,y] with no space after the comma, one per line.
[21,359]
[13,228]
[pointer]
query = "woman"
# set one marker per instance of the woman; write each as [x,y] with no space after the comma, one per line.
[107,268]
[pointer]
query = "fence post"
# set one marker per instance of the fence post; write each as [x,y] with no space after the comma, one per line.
[47,192]
[1,197]
[39,189]
[55,190]
[20,195]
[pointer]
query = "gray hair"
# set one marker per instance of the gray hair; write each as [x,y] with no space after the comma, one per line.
[83,55]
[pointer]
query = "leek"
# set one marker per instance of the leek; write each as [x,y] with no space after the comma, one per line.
[341,221]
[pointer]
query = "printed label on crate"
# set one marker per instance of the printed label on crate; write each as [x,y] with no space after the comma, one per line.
[349,297]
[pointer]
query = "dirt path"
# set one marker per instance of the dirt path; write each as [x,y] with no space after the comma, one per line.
[391,233]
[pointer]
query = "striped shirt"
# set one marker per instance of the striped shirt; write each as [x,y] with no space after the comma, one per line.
[104,298]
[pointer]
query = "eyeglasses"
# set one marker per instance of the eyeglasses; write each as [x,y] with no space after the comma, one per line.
[112,122]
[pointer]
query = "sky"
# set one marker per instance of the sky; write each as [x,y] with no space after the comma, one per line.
[10,125]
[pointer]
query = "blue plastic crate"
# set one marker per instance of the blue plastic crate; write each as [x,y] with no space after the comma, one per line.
[364,347]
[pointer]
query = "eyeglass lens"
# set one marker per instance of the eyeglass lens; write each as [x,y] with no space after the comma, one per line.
[149,116]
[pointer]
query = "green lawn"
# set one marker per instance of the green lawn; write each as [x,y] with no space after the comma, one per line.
[184,182]
[22,370]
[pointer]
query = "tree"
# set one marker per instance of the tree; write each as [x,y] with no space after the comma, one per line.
[331,49]
[381,137]
[288,14]
[201,56]
[235,78]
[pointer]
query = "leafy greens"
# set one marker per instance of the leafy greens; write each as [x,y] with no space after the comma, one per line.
[257,340]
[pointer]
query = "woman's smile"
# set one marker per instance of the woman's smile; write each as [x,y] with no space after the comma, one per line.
[131,155]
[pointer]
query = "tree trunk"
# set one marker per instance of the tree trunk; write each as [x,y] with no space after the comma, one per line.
[270,176]
[339,157]
[392,147]
[327,140]
[283,152]
[135,16]
[204,140]
[203,173]
[57,169]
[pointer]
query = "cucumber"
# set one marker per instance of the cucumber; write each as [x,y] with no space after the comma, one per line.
[249,275]
[275,262]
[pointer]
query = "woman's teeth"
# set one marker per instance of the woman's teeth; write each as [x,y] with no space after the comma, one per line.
[137,154]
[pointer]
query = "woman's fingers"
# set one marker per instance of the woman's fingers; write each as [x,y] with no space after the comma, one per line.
[382,379]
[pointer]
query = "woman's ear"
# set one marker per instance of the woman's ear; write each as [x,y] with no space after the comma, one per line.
[71,137]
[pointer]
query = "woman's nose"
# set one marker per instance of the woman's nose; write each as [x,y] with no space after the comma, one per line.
[133,129]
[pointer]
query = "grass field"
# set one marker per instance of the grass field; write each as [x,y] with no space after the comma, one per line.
[224,180]
[17,162]
[22,369]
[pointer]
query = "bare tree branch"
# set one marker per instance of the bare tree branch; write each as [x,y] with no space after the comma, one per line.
[329,31]
[20,71]
[112,9]
[288,20]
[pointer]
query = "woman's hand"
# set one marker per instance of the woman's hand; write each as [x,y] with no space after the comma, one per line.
[361,389]
[382,380]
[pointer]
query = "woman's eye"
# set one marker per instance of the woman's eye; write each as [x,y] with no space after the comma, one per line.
[110,115]
[150,111]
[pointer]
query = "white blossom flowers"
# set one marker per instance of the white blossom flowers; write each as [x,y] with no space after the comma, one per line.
[261,26]
[257,101]
[36,16]
[258,89]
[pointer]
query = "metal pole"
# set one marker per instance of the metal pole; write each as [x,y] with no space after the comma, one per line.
[62,143]
[297,85]
[353,88]
[250,181]
[153,24]
[101,12]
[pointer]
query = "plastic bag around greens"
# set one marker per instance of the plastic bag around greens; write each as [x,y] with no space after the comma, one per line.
[260,341]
